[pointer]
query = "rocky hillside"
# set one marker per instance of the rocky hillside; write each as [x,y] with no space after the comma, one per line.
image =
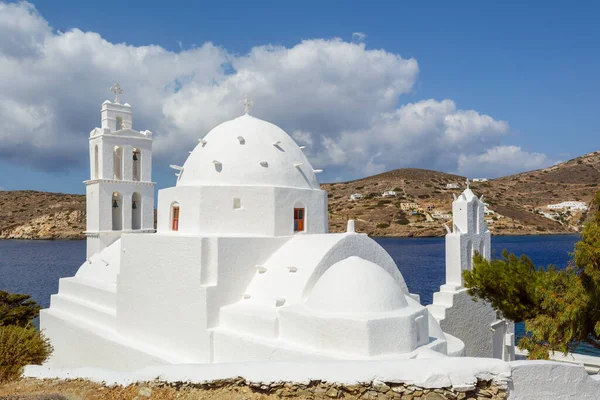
[515,202]
[39,215]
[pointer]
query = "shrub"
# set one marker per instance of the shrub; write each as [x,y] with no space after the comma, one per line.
[17,309]
[381,226]
[20,346]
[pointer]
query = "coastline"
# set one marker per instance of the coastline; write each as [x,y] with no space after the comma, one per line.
[410,235]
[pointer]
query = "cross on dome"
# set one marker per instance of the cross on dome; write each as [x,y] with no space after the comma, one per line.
[116,89]
[247,104]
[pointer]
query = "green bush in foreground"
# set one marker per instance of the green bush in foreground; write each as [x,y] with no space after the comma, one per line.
[20,346]
[560,308]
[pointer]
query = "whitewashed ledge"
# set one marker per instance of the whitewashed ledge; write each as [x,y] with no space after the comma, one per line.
[523,380]
[457,373]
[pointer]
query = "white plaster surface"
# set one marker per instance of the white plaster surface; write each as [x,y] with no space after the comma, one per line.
[541,380]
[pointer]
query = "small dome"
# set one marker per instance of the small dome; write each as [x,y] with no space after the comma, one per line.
[355,285]
[248,151]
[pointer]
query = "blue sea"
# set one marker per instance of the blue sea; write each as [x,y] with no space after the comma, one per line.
[34,267]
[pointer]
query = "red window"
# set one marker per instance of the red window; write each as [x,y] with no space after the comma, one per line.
[298,219]
[175,218]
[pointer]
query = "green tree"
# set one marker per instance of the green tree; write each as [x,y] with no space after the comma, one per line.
[560,308]
[17,309]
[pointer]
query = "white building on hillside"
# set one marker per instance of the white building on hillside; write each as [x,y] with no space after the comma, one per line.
[569,205]
[389,193]
[242,267]
[356,196]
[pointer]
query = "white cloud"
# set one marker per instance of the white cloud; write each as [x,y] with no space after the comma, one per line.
[358,37]
[508,159]
[338,98]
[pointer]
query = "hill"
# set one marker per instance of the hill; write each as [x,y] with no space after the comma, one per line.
[39,215]
[516,203]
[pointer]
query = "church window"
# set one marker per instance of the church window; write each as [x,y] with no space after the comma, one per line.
[237,203]
[175,217]
[119,123]
[298,219]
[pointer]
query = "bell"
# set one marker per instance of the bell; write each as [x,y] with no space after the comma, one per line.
[134,206]
[135,157]
[115,204]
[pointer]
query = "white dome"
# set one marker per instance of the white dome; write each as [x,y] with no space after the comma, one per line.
[355,285]
[248,151]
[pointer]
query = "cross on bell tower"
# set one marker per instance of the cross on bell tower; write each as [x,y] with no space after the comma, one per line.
[116,89]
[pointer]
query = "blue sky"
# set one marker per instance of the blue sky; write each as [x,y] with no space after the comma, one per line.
[520,79]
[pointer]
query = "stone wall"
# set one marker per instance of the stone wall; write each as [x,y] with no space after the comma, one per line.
[324,390]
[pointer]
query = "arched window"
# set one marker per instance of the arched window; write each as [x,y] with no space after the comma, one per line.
[136,211]
[475,216]
[118,163]
[175,217]
[137,165]
[95,172]
[119,123]
[117,211]
[299,219]
[469,254]
[482,248]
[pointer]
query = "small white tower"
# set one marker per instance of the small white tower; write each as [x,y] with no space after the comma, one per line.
[469,234]
[475,323]
[120,192]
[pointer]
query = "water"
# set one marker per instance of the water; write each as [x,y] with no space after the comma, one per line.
[34,267]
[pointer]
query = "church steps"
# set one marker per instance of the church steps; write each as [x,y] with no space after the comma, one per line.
[437,311]
[102,295]
[83,310]
[444,298]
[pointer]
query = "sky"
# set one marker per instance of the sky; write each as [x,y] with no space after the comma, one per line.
[481,89]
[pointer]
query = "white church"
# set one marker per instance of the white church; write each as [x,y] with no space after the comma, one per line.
[242,268]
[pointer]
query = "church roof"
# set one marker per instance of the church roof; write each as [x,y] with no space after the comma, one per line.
[247,151]
[355,285]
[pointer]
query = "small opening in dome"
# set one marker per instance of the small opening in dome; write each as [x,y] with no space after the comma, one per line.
[237,203]
[241,140]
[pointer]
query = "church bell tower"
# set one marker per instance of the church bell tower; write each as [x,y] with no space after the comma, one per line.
[120,191]
[469,234]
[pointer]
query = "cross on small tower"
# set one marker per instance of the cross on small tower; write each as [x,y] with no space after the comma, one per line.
[247,104]
[468,183]
[116,89]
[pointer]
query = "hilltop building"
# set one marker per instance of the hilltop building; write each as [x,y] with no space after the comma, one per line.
[242,267]
[569,205]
